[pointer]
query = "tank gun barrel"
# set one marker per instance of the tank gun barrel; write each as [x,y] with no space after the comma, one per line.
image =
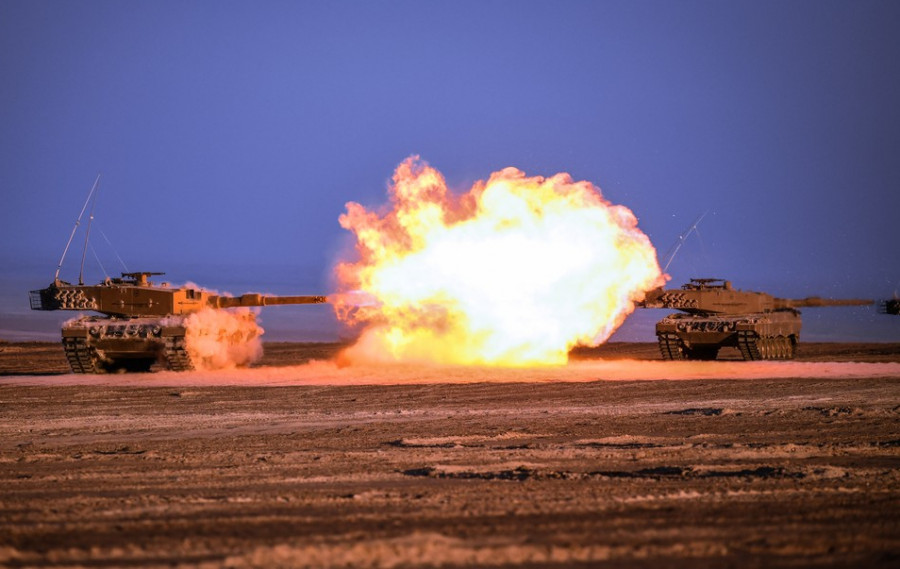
[253,299]
[815,301]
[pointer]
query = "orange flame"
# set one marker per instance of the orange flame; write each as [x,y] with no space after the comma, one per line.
[514,272]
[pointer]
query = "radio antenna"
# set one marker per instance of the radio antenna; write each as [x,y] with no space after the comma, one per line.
[87,236]
[116,253]
[74,229]
[682,238]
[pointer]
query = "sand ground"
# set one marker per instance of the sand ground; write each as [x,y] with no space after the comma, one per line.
[725,471]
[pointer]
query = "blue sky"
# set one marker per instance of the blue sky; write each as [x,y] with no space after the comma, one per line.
[229,135]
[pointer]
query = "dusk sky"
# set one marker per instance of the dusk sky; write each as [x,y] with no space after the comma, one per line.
[230,135]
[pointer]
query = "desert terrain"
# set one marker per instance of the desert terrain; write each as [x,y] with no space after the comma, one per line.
[618,459]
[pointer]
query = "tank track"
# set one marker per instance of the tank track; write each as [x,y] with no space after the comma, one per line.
[176,354]
[754,347]
[82,358]
[747,341]
[670,346]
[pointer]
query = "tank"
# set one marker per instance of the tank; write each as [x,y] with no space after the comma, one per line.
[890,306]
[714,315]
[141,324]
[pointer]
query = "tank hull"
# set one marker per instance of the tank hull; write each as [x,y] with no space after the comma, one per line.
[760,336]
[103,345]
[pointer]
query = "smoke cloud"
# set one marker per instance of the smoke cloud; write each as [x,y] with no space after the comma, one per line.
[223,339]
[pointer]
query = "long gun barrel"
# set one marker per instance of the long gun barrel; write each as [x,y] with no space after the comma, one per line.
[253,299]
[814,301]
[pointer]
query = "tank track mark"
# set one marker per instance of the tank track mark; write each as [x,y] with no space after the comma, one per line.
[176,354]
[82,358]
[754,347]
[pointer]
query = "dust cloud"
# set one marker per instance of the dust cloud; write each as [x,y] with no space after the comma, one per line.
[329,372]
[223,339]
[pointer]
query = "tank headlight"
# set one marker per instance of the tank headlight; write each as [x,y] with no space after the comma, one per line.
[156,330]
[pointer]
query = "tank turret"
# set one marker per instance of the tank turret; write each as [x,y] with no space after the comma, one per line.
[135,295]
[142,323]
[715,315]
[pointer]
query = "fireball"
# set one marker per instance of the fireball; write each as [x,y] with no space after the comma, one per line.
[514,272]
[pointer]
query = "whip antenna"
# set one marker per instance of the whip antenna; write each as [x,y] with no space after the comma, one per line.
[116,253]
[87,234]
[681,240]
[74,229]
[97,258]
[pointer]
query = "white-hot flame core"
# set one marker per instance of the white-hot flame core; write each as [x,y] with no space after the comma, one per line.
[223,339]
[514,272]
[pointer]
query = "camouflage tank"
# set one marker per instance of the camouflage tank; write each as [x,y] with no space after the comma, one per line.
[143,324]
[714,315]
